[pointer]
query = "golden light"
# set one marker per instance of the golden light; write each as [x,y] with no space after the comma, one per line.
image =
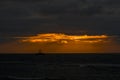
[62,43]
[63,38]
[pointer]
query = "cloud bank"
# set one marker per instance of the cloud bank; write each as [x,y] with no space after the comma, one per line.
[28,17]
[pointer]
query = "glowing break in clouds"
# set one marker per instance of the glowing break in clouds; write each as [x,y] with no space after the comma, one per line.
[62,43]
[63,38]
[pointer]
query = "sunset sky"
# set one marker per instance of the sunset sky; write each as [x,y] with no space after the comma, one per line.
[60,26]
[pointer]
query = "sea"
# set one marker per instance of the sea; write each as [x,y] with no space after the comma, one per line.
[60,66]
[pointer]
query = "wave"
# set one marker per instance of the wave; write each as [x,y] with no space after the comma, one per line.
[60,64]
[28,78]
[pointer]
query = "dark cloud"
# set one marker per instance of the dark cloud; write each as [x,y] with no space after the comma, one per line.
[29,17]
[4,40]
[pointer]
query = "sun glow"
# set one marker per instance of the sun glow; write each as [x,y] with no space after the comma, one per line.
[63,43]
[63,38]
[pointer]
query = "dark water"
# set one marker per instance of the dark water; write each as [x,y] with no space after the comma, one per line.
[60,67]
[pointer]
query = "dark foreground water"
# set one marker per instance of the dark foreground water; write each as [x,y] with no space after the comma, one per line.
[60,67]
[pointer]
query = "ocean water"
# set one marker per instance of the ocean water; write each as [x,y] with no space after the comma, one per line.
[60,67]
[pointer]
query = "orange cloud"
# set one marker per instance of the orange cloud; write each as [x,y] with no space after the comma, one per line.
[63,38]
[62,43]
